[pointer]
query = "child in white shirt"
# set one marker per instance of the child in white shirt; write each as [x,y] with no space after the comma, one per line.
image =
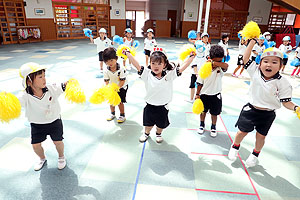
[149,43]
[102,43]
[285,48]
[158,78]
[240,63]
[268,90]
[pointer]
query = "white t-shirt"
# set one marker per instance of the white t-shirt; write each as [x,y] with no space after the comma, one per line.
[116,76]
[224,46]
[242,48]
[128,42]
[102,44]
[42,110]
[201,55]
[267,93]
[298,52]
[284,48]
[159,92]
[213,84]
[258,49]
[149,44]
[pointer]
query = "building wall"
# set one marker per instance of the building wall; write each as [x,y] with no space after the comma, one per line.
[32,4]
[118,22]
[45,22]
[259,9]
[191,7]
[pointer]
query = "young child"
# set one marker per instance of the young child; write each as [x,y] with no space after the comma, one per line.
[268,36]
[258,48]
[209,89]
[267,91]
[202,50]
[128,41]
[298,57]
[149,43]
[158,78]
[102,43]
[224,44]
[42,109]
[242,48]
[115,74]
[285,48]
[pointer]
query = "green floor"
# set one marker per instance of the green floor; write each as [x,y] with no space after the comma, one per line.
[106,161]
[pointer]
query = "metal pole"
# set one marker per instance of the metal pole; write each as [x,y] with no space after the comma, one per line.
[206,15]
[200,15]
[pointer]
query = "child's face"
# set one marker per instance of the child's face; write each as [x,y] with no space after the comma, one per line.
[128,35]
[111,63]
[157,67]
[102,35]
[205,39]
[261,42]
[269,66]
[39,81]
[149,34]
[268,37]
[285,42]
[226,39]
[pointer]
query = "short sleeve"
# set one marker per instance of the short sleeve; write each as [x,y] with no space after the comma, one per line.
[284,90]
[144,72]
[23,97]
[57,89]
[154,42]
[109,41]
[123,74]
[105,75]
[297,50]
[174,73]
[97,40]
[200,80]
[251,67]
[281,48]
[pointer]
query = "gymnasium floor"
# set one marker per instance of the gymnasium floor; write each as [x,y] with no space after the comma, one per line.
[105,159]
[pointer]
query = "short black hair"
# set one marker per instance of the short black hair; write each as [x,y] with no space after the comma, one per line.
[160,57]
[109,53]
[225,36]
[216,51]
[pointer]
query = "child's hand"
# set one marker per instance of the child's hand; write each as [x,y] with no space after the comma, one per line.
[197,96]
[193,54]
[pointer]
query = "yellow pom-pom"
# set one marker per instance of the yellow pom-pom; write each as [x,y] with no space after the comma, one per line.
[186,50]
[99,96]
[10,107]
[198,106]
[115,87]
[111,94]
[298,112]
[74,92]
[251,30]
[123,47]
[205,70]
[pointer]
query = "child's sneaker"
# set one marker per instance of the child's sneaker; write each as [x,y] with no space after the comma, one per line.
[213,133]
[121,119]
[111,117]
[38,166]
[234,75]
[159,139]
[61,163]
[144,137]
[252,160]
[233,153]
[200,130]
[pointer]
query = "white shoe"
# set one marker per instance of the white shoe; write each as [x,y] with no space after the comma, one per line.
[121,119]
[143,137]
[200,130]
[190,100]
[61,163]
[252,160]
[213,133]
[111,117]
[233,153]
[38,166]
[159,139]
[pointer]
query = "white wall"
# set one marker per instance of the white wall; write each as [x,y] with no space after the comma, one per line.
[259,9]
[32,4]
[117,4]
[191,6]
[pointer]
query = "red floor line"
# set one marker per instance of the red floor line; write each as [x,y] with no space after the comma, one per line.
[219,191]
[210,154]
[241,161]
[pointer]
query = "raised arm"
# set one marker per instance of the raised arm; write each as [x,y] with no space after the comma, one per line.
[187,63]
[223,65]
[248,50]
[91,39]
[132,60]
